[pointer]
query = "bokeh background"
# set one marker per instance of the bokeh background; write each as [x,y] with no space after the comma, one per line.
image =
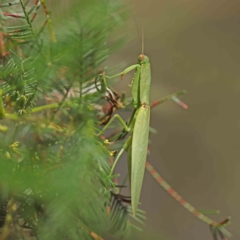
[192,45]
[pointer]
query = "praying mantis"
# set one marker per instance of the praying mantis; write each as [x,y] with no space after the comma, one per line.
[138,126]
[137,143]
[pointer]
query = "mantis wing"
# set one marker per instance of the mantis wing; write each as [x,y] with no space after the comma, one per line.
[139,153]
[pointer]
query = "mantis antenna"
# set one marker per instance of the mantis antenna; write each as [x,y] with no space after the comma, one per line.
[142,40]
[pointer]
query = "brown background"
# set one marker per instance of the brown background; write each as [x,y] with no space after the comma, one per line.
[192,45]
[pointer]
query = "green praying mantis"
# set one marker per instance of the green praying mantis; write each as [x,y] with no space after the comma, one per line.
[137,143]
[138,126]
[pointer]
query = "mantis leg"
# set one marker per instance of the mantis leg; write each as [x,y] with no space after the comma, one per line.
[124,148]
[126,128]
[129,69]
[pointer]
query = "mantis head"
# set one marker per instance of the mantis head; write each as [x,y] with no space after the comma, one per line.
[143,59]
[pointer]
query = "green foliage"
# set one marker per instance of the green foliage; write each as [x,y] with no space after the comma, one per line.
[54,170]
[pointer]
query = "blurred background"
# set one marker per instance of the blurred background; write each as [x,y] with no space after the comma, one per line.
[193,46]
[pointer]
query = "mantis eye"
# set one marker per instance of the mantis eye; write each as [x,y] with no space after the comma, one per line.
[141,57]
